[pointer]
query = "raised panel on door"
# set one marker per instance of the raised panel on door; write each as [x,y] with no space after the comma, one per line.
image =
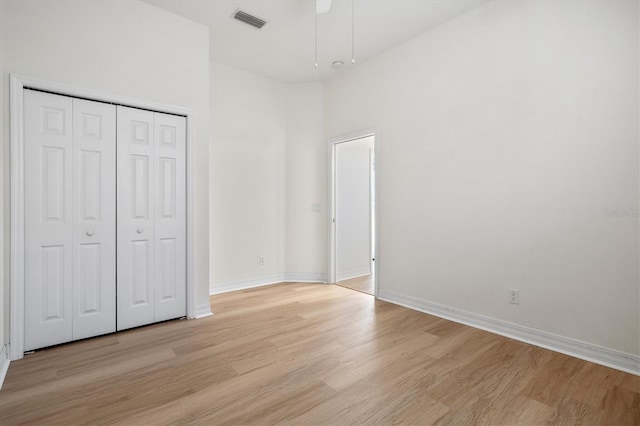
[48,219]
[94,215]
[170,219]
[135,217]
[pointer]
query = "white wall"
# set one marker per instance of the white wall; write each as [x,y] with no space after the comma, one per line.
[306,183]
[127,48]
[268,189]
[505,135]
[353,213]
[247,182]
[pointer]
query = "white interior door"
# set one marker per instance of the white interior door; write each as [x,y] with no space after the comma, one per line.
[151,217]
[69,219]
[170,219]
[135,150]
[48,219]
[353,208]
[94,216]
[73,179]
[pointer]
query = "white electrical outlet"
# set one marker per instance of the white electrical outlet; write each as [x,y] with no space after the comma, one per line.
[261,260]
[514,296]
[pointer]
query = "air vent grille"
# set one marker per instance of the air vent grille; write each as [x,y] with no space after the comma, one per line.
[247,18]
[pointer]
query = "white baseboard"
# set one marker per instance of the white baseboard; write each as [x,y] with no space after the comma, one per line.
[288,277]
[355,273]
[203,310]
[248,283]
[4,363]
[295,277]
[623,361]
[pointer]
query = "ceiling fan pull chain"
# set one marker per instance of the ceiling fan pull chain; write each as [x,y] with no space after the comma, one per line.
[353,44]
[315,14]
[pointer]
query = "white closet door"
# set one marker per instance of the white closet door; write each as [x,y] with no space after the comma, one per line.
[170,219]
[94,212]
[48,219]
[135,191]
[151,217]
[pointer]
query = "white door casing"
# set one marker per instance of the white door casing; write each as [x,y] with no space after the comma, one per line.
[48,219]
[94,215]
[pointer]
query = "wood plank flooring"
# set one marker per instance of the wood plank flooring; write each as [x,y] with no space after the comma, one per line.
[307,354]
[364,284]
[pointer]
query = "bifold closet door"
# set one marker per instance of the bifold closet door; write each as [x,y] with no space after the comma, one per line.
[69,198]
[151,217]
[94,236]
[170,232]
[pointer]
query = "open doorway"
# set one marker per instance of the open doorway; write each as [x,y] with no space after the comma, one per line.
[352,227]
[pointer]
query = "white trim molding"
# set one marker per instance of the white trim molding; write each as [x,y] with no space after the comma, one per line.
[18,84]
[271,279]
[4,363]
[354,273]
[246,283]
[303,277]
[16,317]
[203,310]
[622,361]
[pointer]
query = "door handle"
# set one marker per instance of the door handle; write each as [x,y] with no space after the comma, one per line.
[139,230]
[90,232]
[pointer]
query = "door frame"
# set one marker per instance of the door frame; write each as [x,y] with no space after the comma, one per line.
[18,84]
[331,225]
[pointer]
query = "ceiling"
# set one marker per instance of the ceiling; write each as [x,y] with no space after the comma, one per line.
[284,49]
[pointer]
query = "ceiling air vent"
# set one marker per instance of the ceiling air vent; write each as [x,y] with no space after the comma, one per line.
[247,18]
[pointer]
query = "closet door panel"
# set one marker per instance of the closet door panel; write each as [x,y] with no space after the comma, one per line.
[170,219]
[48,219]
[94,208]
[135,214]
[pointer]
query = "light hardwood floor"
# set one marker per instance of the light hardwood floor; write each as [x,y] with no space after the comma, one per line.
[364,284]
[305,354]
